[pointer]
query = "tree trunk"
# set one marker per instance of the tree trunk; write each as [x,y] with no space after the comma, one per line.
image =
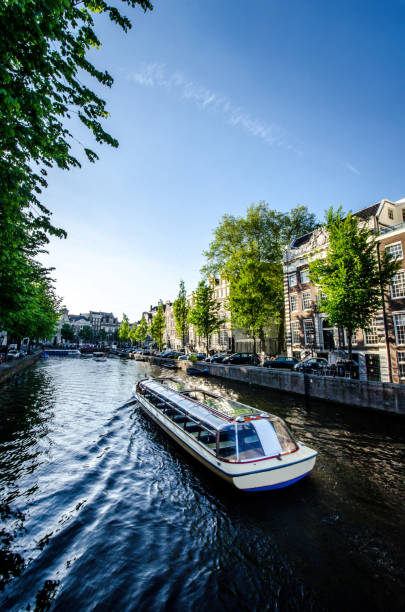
[208,344]
[349,342]
[254,346]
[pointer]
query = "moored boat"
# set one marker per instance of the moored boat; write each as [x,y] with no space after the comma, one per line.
[253,450]
[99,356]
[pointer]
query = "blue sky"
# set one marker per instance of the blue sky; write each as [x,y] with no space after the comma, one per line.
[217,105]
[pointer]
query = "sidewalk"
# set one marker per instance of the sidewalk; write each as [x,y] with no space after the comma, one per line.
[9,369]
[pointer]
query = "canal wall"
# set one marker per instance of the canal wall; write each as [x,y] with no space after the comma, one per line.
[385,397]
[8,370]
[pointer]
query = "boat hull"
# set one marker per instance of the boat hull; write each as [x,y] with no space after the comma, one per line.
[254,476]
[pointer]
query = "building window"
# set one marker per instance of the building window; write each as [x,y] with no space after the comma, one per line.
[403,214]
[390,214]
[296,332]
[292,279]
[294,303]
[399,325]
[306,300]
[304,274]
[401,365]
[370,334]
[394,251]
[309,331]
[398,285]
[223,338]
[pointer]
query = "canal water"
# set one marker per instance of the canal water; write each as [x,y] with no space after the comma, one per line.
[101,511]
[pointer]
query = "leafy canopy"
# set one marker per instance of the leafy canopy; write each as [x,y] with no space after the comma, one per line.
[181,310]
[142,331]
[67,332]
[86,333]
[44,71]
[158,325]
[124,329]
[204,315]
[350,276]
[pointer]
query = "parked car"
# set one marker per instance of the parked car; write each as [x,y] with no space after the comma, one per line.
[311,365]
[217,358]
[14,355]
[241,359]
[200,356]
[287,363]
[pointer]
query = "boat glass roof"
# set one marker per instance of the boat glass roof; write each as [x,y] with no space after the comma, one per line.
[230,409]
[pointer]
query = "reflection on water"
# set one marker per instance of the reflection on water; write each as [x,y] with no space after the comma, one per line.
[100,510]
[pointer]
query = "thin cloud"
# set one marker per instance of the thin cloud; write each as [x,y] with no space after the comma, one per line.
[352,168]
[156,76]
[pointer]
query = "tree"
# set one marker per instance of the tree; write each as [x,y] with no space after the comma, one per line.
[133,333]
[266,229]
[86,333]
[67,332]
[254,297]
[158,325]
[124,328]
[44,72]
[350,276]
[204,315]
[181,310]
[142,331]
[102,336]
[247,251]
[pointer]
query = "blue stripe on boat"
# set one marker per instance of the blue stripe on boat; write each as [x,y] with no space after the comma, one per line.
[279,485]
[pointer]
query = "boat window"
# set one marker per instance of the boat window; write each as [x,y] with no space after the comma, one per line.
[208,438]
[192,427]
[284,436]
[249,444]
[227,443]
[268,437]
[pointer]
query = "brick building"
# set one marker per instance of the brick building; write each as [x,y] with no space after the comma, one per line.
[380,349]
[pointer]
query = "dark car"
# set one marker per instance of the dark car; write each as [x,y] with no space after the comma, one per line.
[287,363]
[171,354]
[217,358]
[241,359]
[314,364]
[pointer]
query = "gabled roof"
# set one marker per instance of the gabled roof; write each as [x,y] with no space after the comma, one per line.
[301,240]
[366,213]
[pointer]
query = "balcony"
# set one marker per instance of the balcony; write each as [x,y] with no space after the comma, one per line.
[384,229]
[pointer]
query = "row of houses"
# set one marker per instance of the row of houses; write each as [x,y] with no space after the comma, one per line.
[97,320]
[379,350]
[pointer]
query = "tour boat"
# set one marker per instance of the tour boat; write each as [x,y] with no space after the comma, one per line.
[99,356]
[251,449]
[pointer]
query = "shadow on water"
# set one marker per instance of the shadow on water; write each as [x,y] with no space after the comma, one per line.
[101,511]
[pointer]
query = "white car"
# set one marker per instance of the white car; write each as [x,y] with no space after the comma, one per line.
[14,354]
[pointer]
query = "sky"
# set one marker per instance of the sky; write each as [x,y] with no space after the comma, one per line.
[217,105]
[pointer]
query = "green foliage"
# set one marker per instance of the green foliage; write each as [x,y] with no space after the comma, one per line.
[181,310]
[86,334]
[142,331]
[247,251]
[133,333]
[43,76]
[268,230]
[158,325]
[350,276]
[205,313]
[192,358]
[67,332]
[124,330]
[255,293]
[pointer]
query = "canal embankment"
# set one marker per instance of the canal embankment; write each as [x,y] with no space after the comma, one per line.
[10,369]
[384,397]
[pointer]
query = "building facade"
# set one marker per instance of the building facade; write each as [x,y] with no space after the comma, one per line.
[380,349]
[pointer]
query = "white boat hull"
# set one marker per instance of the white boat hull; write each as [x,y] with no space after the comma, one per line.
[261,475]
